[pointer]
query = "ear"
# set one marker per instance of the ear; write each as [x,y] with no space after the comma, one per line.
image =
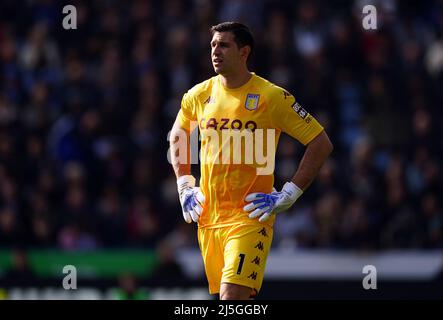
[245,51]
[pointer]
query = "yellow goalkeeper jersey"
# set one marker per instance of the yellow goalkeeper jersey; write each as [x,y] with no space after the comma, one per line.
[233,166]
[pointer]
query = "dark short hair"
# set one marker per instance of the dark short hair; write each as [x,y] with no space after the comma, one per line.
[242,34]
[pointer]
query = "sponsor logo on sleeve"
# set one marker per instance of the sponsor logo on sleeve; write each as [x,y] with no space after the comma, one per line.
[300,111]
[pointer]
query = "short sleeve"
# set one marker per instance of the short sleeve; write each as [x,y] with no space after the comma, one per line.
[187,111]
[290,117]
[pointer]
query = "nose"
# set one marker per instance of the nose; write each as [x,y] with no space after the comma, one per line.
[216,50]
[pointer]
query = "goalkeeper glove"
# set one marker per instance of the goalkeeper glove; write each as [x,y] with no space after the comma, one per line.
[264,204]
[191,198]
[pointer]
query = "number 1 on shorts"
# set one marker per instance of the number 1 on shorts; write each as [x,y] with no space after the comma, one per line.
[240,264]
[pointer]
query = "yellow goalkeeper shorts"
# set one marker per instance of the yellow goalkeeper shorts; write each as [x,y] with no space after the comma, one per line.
[235,254]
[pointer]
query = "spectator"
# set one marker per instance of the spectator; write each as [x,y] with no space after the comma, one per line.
[21,272]
[83,118]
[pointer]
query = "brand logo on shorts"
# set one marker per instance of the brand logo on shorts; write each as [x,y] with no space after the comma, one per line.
[259,246]
[253,276]
[256,260]
[263,232]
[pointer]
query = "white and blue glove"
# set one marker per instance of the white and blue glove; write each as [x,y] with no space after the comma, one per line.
[191,198]
[263,205]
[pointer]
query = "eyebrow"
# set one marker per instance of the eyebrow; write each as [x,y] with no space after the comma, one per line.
[220,42]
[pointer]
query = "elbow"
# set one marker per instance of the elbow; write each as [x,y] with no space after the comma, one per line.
[322,145]
[326,145]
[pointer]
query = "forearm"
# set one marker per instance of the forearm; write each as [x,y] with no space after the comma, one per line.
[180,149]
[315,155]
[181,169]
[180,163]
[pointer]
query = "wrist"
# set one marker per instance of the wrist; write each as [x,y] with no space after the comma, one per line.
[184,182]
[292,190]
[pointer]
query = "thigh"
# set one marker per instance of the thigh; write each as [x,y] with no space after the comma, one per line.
[212,254]
[246,251]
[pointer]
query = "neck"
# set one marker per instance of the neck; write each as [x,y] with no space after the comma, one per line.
[236,80]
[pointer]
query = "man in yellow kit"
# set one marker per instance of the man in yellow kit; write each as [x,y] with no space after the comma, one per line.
[235,204]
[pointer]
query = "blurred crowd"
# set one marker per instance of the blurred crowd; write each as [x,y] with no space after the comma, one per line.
[85,113]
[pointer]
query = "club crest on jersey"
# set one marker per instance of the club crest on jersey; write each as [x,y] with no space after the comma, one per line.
[252,101]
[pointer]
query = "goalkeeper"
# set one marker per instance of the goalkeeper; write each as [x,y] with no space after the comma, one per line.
[235,205]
